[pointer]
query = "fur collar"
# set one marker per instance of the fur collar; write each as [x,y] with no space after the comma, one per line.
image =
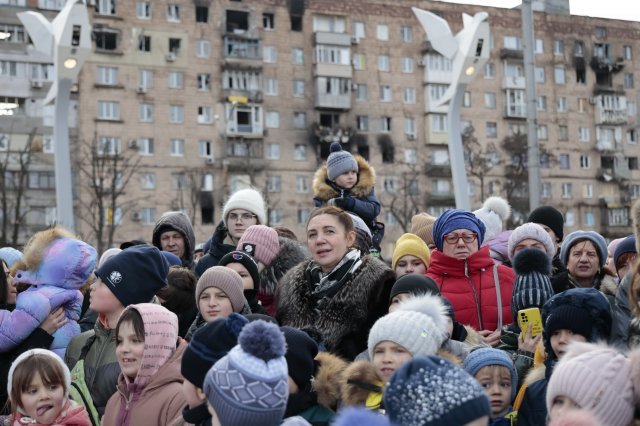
[366,181]
[32,255]
[328,379]
[358,372]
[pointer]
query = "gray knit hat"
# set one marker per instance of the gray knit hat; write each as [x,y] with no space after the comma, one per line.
[531,231]
[340,162]
[226,280]
[597,240]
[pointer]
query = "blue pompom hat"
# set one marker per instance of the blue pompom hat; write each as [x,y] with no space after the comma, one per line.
[340,162]
[454,219]
[249,386]
[10,256]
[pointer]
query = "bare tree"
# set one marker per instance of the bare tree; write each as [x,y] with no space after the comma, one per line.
[14,171]
[479,160]
[405,200]
[105,171]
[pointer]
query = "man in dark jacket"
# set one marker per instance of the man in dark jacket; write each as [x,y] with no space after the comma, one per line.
[173,232]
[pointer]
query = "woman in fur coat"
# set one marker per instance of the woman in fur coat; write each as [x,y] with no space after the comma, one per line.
[337,293]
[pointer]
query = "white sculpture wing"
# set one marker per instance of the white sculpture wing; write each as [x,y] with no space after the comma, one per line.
[40,30]
[438,32]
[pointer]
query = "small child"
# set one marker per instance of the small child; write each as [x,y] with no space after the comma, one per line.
[218,293]
[208,345]
[410,256]
[245,265]
[411,285]
[38,388]
[432,391]
[249,385]
[495,371]
[348,181]
[150,383]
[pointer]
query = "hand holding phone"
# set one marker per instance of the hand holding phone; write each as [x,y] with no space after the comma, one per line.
[530,317]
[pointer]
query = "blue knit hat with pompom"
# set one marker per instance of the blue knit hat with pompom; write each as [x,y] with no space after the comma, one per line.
[340,162]
[250,385]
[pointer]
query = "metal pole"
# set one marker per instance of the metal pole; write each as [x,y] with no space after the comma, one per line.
[456,154]
[64,197]
[533,149]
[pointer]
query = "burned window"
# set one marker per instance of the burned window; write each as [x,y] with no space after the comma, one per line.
[174,45]
[386,148]
[106,39]
[607,162]
[296,12]
[202,14]
[237,21]
[329,120]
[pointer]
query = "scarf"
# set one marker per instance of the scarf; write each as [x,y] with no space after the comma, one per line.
[327,285]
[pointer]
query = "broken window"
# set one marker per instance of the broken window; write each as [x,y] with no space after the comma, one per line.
[202,14]
[237,21]
[105,39]
[174,45]
[268,21]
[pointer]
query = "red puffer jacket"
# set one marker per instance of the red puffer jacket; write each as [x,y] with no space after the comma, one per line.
[470,287]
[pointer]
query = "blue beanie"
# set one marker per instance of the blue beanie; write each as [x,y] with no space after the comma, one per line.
[340,162]
[597,240]
[10,256]
[483,357]
[454,219]
[628,245]
[430,391]
[171,258]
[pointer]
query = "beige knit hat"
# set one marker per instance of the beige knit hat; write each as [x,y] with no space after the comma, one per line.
[422,226]
[225,279]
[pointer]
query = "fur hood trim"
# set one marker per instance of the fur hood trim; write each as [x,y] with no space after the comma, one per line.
[536,374]
[361,372]
[291,254]
[366,181]
[35,247]
[328,379]
[608,285]
[473,337]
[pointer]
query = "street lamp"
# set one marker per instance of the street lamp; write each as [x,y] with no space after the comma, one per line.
[468,51]
[67,39]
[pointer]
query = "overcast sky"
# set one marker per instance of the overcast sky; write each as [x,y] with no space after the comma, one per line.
[614,9]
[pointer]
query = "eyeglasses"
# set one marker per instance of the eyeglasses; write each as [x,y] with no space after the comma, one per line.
[244,217]
[453,238]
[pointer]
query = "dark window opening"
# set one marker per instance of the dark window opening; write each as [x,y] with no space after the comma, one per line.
[578,49]
[174,45]
[296,23]
[202,14]
[362,142]
[296,12]
[633,163]
[243,118]
[329,120]
[268,22]
[144,44]
[237,21]
[607,162]
[105,40]
[581,76]
[206,207]
[386,148]
[604,79]
[75,36]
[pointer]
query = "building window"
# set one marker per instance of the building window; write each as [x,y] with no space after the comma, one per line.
[174,45]
[329,23]
[539,74]
[564,161]
[491,129]
[175,80]
[273,151]
[204,82]
[106,39]
[302,184]
[541,103]
[385,124]
[176,114]
[145,146]
[299,120]
[490,100]
[274,183]
[539,46]
[104,7]
[441,186]
[438,123]
[635,191]
[358,30]
[268,22]
[382,32]
[545,190]
[633,163]
[489,70]
[148,180]
[410,127]
[108,110]
[146,113]
[273,119]
[143,10]
[409,95]
[269,54]
[362,123]
[108,145]
[203,48]
[566,190]
[585,161]
[628,80]
[406,34]
[173,13]
[588,219]
[383,63]
[362,93]
[632,136]
[559,75]
[407,65]
[332,55]
[466,100]
[297,56]
[112,217]
[410,156]
[107,76]
[543,134]
[177,147]
[513,43]
[41,180]
[144,43]
[205,149]
[563,133]
[298,88]
[271,87]
[300,152]
[627,52]
[145,79]
[147,215]
[303,216]
[359,61]
[561,104]
[558,47]
[275,217]
[385,94]
[205,116]
[178,181]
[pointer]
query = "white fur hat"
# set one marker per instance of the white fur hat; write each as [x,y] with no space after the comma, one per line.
[246,199]
[493,212]
[23,356]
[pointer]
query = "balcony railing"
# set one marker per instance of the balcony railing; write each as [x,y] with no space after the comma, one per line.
[241,48]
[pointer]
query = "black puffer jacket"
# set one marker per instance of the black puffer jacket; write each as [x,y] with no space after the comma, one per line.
[218,249]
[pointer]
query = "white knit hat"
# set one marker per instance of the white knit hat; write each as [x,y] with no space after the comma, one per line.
[55,358]
[414,331]
[494,211]
[246,199]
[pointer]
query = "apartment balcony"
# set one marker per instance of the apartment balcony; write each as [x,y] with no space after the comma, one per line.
[605,145]
[513,83]
[515,111]
[440,198]
[253,96]
[243,154]
[238,48]
[611,109]
[334,39]
[437,170]
[331,101]
[617,174]
[614,215]
[511,53]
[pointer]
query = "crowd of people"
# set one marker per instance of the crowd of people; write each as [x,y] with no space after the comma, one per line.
[466,324]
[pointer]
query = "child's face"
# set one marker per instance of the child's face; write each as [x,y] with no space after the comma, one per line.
[388,356]
[347,180]
[129,350]
[561,404]
[11,286]
[496,381]
[214,304]
[561,338]
[395,302]
[42,402]
[102,300]
[193,395]
[409,264]
[247,281]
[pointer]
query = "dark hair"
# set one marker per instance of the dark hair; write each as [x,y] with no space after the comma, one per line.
[179,295]
[4,291]
[342,216]
[583,240]
[50,371]
[634,289]
[285,232]
[133,316]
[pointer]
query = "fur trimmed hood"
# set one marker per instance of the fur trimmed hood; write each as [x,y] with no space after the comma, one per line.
[357,373]
[324,189]
[328,379]
[35,247]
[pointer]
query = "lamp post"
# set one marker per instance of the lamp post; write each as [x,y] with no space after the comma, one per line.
[67,39]
[468,51]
